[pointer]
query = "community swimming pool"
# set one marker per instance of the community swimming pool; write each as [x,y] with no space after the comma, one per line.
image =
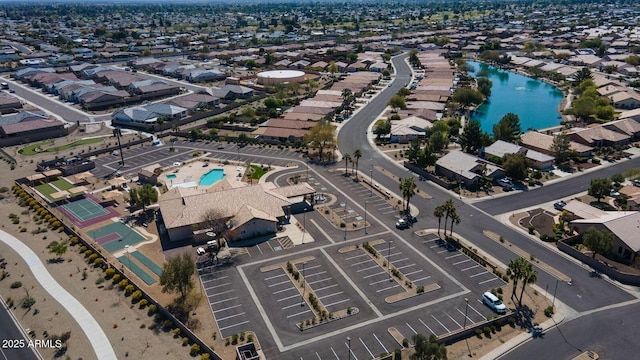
[171,176]
[211,177]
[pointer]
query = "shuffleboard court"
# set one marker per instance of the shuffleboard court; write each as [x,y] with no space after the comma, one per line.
[147,262]
[143,275]
[46,190]
[115,236]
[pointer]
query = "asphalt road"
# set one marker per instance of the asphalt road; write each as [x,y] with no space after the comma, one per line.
[612,334]
[553,192]
[9,335]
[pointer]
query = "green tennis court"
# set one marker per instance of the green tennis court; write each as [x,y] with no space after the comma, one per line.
[85,209]
[61,184]
[125,236]
[145,276]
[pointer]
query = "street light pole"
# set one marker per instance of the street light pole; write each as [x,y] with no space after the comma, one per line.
[349,346]
[304,223]
[553,303]
[345,221]
[389,261]
[466,339]
[371,181]
[365,217]
[303,287]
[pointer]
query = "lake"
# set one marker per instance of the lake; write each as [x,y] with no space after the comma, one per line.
[535,102]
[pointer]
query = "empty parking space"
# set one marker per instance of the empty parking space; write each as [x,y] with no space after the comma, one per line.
[288,300]
[469,268]
[228,302]
[400,260]
[359,346]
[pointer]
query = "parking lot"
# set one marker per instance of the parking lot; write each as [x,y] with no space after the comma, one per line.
[142,156]
[463,264]
[229,302]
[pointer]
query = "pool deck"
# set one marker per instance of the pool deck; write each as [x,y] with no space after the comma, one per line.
[188,175]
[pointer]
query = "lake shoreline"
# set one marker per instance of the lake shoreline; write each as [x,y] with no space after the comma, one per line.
[543,121]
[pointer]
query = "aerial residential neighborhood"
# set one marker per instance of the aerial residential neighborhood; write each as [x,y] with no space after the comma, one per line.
[319,180]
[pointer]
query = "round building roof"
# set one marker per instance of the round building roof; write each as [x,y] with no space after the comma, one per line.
[281,74]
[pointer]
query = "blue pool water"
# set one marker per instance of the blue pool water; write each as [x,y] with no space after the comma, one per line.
[211,177]
[171,176]
[535,102]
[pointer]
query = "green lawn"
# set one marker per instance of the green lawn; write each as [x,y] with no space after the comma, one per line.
[257,172]
[62,184]
[40,147]
[46,190]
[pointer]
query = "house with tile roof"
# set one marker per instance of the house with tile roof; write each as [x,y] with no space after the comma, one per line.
[542,142]
[624,225]
[460,166]
[249,211]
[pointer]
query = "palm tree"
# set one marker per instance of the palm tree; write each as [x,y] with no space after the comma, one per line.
[529,276]
[346,97]
[449,208]
[409,189]
[515,271]
[439,213]
[357,154]
[347,158]
[455,218]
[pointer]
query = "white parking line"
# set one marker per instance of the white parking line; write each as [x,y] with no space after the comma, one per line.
[441,251]
[312,267]
[404,266]
[441,324]
[372,275]
[288,297]
[471,267]
[317,281]
[379,281]
[324,288]
[351,351]
[369,268]
[461,313]
[330,295]
[227,308]
[337,302]
[387,288]
[427,326]
[300,313]
[233,325]
[477,312]
[293,305]
[413,272]
[422,278]
[281,291]
[275,276]
[217,286]
[334,353]
[365,346]
[434,246]
[280,283]
[454,320]
[220,293]
[428,241]
[461,262]
[452,256]
[216,278]
[411,328]
[361,262]
[478,274]
[389,212]
[381,344]
[357,256]
[221,301]
[486,281]
[316,274]
[229,317]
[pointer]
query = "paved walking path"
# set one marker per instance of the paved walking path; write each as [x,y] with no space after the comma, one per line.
[98,339]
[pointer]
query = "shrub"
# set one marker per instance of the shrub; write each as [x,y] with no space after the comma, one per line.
[99,280]
[92,257]
[195,349]
[405,342]
[152,309]
[185,341]
[136,295]
[123,283]
[28,302]
[532,229]
[548,312]
[116,278]
[234,339]
[109,272]
[16,284]
[128,289]
[486,331]
[143,303]
[176,333]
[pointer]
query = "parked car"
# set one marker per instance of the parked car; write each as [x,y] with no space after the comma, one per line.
[559,205]
[494,303]
[402,224]
[614,193]
[636,182]
[200,251]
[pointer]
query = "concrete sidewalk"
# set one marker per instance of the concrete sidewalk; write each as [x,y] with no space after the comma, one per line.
[98,339]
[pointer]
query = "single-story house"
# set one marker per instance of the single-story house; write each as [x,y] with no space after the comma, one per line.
[460,166]
[25,123]
[598,136]
[624,227]
[543,142]
[9,104]
[409,129]
[501,148]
